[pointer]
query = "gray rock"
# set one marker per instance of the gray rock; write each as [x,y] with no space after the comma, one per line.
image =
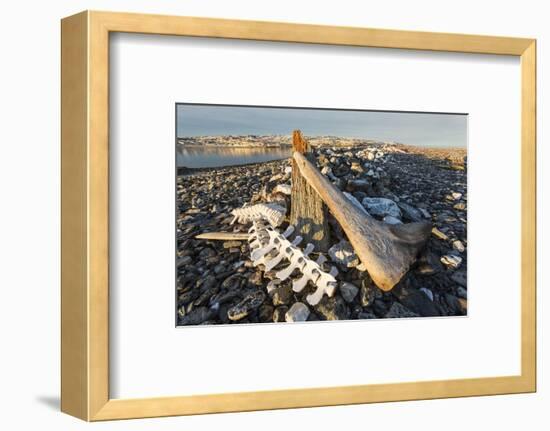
[279,313]
[220,268]
[355,202]
[416,301]
[410,212]
[460,278]
[299,312]
[189,296]
[197,316]
[358,185]
[457,305]
[333,309]
[265,313]
[399,311]
[392,220]
[425,213]
[282,295]
[381,207]
[461,292]
[348,291]
[365,314]
[427,292]
[250,302]
[232,282]
[343,254]
[379,307]
[222,298]
[208,283]
[207,252]
[186,260]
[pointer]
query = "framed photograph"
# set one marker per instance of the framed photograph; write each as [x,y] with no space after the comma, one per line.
[262,215]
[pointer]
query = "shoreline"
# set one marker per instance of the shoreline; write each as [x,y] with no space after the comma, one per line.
[184,170]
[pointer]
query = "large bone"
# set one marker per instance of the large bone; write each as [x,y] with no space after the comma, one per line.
[386,251]
[269,248]
[273,213]
[223,236]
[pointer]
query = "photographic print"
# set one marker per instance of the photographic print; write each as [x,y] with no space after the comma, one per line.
[288,214]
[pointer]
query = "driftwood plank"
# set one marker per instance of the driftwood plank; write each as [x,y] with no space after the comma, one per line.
[307,213]
[386,251]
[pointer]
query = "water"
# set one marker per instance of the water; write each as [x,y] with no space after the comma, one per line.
[209,157]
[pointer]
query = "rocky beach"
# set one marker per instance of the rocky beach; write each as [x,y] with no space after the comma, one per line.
[218,284]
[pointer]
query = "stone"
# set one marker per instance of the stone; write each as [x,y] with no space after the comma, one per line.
[197,316]
[256,278]
[358,185]
[409,212]
[189,296]
[416,301]
[231,244]
[461,292]
[456,196]
[341,170]
[356,167]
[391,220]
[427,292]
[299,312]
[186,260]
[208,283]
[282,295]
[333,309]
[283,188]
[250,302]
[222,298]
[348,291]
[425,213]
[382,207]
[460,278]
[207,252]
[398,311]
[368,292]
[461,206]
[265,313]
[426,269]
[458,246]
[457,305]
[220,268]
[342,253]
[355,202]
[379,307]
[365,314]
[232,282]
[279,313]
[205,296]
[438,234]
[451,261]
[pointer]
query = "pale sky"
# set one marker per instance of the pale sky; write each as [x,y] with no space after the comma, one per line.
[424,129]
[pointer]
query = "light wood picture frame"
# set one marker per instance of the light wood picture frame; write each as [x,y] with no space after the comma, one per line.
[85,215]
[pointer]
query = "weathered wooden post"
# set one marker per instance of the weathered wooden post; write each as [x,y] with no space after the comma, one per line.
[307,212]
